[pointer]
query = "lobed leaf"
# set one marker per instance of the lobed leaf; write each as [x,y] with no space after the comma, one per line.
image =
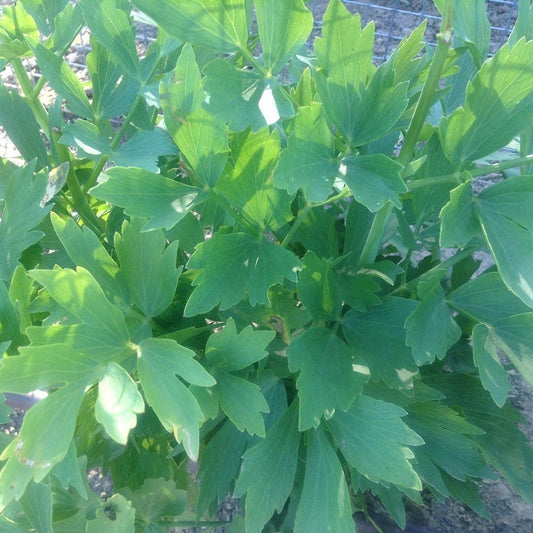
[147,266]
[145,194]
[273,460]
[327,379]
[232,264]
[374,440]
[325,501]
[159,361]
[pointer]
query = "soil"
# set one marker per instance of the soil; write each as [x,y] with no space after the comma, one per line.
[394,19]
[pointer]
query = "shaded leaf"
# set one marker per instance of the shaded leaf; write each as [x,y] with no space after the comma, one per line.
[486,299]
[491,372]
[506,216]
[327,379]
[273,460]
[147,267]
[309,160]
[115,515]
[145,194]
[231,265]
[21,214]
[112,28]
[325,501]
[243,403]
[159,361]
[374,180]
[218,24]
[499,103]
[378,336]
[231,351]
[431,329]
[283,26]
[249,185]
[102,331]
[374,439]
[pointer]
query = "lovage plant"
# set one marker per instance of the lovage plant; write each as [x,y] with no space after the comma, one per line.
[227,249]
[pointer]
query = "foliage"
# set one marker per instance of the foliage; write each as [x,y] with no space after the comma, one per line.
[250,271]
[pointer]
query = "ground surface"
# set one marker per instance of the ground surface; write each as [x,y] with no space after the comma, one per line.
[394,19]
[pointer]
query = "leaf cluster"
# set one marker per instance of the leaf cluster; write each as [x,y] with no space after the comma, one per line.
[269,267]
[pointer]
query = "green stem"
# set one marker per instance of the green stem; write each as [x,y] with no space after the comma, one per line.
[28,90]
[382,217]
[504,165]
[375,235]
[343,194]
[115,142]
[474,173]
[444,39]
[297,223]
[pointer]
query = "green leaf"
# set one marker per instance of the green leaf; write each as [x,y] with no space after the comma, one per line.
[86,250]
[317,232]
[374,180]
[458,216]
[231,351]
[64,81]
[499,103]
[506,216]
[327,379]
[378,336]
[110,97]
[218,24]
[145,194]
[101,333]
[486,299]
[325,501]
[231,265]
[159,361]
[220,461]
[9,320]
[155,499]
[273,460]
[87,138]
[523,26]
[43,441]
[471,28]
[37,506]
[446,442]
[344,51]
[284,26]
[431,329]
[143,149]
[491,372]
[44,12]
[234,95]
[15,26]
[318,288]
[249,187]
[39,367]
[66,25]
[365,117]
[309,160]
[514,336]
[243,403]
[374,439]
[147,267]
[112,28]
[503,445]
[118,403]
[21,214]
[200,135]
[115,515]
